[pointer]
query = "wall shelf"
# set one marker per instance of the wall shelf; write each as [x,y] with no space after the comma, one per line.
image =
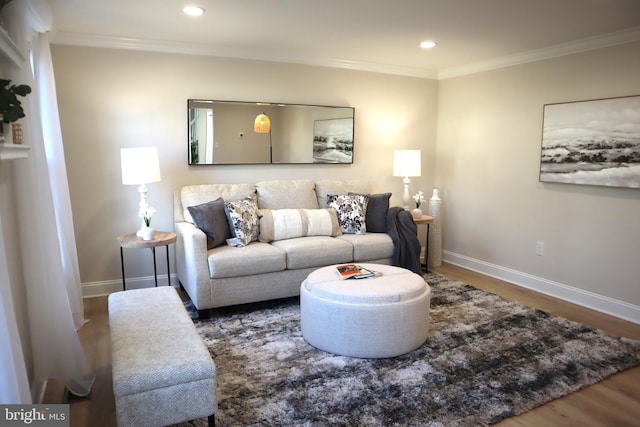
[13,151]
[9,50]
[10,56]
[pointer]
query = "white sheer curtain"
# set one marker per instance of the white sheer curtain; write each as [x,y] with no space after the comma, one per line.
[46,230]
[14,387]
[58,175]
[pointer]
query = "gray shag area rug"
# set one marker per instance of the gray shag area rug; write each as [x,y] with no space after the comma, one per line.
[486,359]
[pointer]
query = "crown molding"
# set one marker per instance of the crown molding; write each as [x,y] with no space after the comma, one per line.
[39,14]
[564,49]
[128,43]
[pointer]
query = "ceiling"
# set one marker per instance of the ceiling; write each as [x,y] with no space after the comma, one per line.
[373,35]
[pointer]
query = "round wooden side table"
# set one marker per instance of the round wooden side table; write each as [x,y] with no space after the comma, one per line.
[160,238]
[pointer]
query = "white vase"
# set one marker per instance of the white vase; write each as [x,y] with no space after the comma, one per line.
[435,232]
[417,212]
[147,233]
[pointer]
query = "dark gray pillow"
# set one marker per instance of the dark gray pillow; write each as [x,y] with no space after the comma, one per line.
[210,217]
[376,216]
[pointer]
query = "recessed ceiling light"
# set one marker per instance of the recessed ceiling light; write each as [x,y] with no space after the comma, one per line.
[428,44]
[193,10]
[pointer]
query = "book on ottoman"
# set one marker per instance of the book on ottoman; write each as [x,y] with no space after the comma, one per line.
[354,271]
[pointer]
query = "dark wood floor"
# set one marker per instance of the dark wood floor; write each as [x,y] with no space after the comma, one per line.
[612,402]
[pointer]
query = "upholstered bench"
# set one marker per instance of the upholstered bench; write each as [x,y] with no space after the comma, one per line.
[162,371]
[377,317]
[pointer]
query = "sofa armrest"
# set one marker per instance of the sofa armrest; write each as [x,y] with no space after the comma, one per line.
[192,264]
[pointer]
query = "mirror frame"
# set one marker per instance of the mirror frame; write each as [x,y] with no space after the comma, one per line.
[299,133]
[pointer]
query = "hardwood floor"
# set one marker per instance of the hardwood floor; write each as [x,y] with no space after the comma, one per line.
[98,409]
[612,402]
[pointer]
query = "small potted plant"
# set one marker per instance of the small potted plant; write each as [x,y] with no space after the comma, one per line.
[146,230]
[419,198]
[10,106]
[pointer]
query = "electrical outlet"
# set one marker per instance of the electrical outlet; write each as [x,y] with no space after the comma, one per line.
[540,248]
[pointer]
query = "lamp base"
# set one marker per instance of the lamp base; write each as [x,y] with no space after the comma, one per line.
[142,207]
[406,196]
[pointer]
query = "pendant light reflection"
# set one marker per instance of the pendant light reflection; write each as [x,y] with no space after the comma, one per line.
[262,124]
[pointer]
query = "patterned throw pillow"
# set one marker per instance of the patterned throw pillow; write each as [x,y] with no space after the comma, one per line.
[352,211]
[243,221]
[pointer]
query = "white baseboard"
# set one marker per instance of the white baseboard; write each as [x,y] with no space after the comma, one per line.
[561,291]
[106,287]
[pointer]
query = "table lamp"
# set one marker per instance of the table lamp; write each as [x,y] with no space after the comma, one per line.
[406,163]
[140,167]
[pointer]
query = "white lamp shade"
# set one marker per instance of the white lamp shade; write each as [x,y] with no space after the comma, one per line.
[407,163]
[140,165]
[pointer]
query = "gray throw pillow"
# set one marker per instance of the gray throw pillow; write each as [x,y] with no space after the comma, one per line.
[211,218]
[377,208]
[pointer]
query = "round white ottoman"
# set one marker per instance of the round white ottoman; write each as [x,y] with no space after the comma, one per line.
[385,316]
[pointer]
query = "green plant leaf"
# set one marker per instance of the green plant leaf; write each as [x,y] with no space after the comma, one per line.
[10,106]
[22,90]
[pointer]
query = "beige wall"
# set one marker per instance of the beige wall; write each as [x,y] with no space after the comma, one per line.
[110,99]
[488,151]
[485,161]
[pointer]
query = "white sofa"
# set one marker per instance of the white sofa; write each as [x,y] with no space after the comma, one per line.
[294,213]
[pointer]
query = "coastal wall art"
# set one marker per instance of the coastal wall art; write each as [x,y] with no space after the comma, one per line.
[333,140]
[595,142]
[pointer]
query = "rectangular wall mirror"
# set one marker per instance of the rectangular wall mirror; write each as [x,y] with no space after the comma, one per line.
[222,133]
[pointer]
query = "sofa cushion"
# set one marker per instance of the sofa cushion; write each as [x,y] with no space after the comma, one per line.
[290,194]
[352,211]
[370,246]
[211,218]
[377,209]
[192,195]
[314,251]
[243,221]
[256,258]
[325,187]
[280,224]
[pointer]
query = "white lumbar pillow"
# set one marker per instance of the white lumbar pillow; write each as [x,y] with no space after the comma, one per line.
[281,224]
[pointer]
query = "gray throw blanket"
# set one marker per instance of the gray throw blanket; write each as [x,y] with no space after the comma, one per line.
[403,231]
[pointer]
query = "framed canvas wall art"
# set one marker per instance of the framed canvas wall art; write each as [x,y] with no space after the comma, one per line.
[594,142]
[333,140]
